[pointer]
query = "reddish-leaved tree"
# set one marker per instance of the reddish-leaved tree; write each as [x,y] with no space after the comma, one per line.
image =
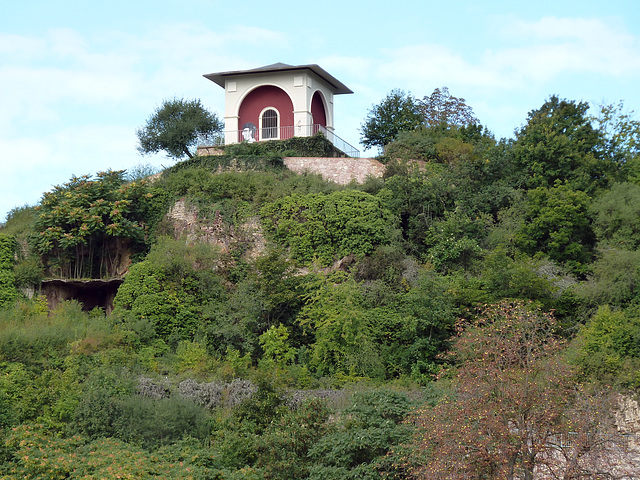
[515,411]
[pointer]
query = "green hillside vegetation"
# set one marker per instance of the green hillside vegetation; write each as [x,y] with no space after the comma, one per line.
[479,283]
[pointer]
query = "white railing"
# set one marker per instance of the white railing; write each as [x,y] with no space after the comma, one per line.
[275,133]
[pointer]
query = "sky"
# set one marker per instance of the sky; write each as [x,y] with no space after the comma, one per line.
[77,78]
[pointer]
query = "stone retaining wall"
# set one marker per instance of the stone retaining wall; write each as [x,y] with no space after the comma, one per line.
[339,170]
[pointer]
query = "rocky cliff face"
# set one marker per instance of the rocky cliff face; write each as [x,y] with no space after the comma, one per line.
[628,415]
[185,221]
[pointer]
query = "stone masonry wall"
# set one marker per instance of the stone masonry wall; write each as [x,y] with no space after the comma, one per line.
[339,170]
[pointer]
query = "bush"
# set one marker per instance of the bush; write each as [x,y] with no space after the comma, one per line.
[331,226]
[609,347]
[315,146]
[153,423]
[366,430]
[7,278]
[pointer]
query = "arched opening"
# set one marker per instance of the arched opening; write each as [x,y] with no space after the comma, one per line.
[318,111]
[269,124]
[258,102]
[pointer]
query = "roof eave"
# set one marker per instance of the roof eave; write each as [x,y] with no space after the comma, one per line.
[338,87]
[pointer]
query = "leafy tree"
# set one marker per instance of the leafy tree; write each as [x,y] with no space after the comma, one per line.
[559,143]
[7,276]
[556,221]
[513,398]
[366,429]
[283,450]
[174,127]
[456,239]
[396,113]
[171,288]
[617,216]
[86,227]
[615,278]
[401,113]
[363,330]
[621,135]
[344,336]
[608,347]
[277,351]
[418,197]
[443,108]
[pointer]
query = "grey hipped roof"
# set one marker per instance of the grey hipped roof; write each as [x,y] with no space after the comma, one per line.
[337,85]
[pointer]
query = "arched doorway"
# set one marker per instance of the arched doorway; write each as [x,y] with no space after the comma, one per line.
[271,109]
[318,112]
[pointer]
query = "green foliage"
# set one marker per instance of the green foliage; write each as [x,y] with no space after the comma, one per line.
[14,382]
[456,239]
[621,136]
[170,289]
[283,450]
[117,393]
[398,116]
[365,432]
[315,146]
[192,357]
[261,409]
[331,226]
[556,221]
[617,216]
[417,197]
[85,227]
[32,335]
[615,279]
[29,272]
[152,423]
[141,171]
[19,222]
[443,108]
[276,350]
[344,338]
[7,277]
[368,331]
[396,113]
[608,347]
[559,143]
[32,452]
[175,126]
[523,277]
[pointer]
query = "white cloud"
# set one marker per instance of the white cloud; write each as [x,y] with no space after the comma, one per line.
[575,45]
[20,47]
[431,66]
[530,55]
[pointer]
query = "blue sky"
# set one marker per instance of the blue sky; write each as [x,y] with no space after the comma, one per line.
[77,78]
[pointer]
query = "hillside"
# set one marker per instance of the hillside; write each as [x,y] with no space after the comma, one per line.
[273,324]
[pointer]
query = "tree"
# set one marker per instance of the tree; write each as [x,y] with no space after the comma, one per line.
[617,216]
[396,113]
[621,134]
[559,143]
[361,435]
[174,127]
[7,277]
[442,107]
[514,409]
[86,227]
[556,221]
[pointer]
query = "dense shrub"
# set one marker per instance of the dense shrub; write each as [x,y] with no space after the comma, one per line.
[7,277]
[326,227]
